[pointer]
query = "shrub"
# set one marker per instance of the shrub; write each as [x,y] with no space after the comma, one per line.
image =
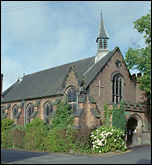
[35,135]
[64,140]
[16,137]
[107,115]
[60,137]
[62,116]
[82,140]
[6,125]
[106,139]
[60,140]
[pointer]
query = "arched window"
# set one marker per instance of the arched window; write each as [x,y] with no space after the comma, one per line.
[71,95]
[30,110]
[15,110]
[3,110]
[48,109]
[48,112]
[117,88]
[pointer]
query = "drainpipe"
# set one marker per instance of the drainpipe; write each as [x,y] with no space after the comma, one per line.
[78,101]
[79,90]
[24,113]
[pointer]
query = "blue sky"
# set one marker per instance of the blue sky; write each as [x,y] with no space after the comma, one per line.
[38,35]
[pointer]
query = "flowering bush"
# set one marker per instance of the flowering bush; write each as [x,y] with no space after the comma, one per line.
[106,139]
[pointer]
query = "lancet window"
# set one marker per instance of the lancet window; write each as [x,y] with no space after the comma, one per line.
[117,88]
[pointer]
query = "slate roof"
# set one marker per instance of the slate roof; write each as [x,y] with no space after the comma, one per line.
[49,82]
[97,67]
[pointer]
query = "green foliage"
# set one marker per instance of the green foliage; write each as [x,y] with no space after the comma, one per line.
[82,140]
[35,135]
[6,125]
[118,116]
[62,118]
[143,25]
[60,137]
[106,139]
[107,115]
[16,137]
[60,140]
[140,59]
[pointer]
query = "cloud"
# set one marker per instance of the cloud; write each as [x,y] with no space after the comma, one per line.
[11,69]
[42,37]
[26,25]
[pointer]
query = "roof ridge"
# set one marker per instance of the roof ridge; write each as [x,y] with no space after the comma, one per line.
[59,66]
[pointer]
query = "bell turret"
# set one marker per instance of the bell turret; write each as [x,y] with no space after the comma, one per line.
[102,38]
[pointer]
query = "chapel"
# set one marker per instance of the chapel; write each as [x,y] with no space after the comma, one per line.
[87,85]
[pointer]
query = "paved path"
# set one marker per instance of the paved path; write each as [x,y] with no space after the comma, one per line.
[136,155]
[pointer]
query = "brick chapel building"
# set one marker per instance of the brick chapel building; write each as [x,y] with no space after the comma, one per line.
[87,85]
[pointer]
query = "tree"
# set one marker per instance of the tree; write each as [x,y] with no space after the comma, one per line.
[140,58]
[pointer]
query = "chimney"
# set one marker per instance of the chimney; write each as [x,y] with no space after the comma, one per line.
[1,83]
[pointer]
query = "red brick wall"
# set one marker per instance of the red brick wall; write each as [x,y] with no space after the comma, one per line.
[129,94]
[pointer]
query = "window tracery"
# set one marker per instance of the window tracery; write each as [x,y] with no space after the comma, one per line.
[117,88]
[30,110]
[15,110]
[71,95]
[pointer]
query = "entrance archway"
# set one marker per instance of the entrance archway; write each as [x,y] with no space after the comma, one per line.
[134,130]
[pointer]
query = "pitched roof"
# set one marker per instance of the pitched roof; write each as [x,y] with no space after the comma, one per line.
[44,83]
[49,82]
[97,67]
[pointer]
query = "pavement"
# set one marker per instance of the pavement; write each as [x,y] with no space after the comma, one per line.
[135,155]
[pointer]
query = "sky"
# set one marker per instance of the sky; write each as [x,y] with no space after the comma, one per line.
[38,35]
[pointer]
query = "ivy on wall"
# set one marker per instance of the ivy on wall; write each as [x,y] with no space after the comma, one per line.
[107,115]
[117,114]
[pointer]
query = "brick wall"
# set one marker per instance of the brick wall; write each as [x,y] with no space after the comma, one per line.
[129,94]
[38,108]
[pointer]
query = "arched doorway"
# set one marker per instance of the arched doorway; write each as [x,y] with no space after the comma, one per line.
[134,130]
